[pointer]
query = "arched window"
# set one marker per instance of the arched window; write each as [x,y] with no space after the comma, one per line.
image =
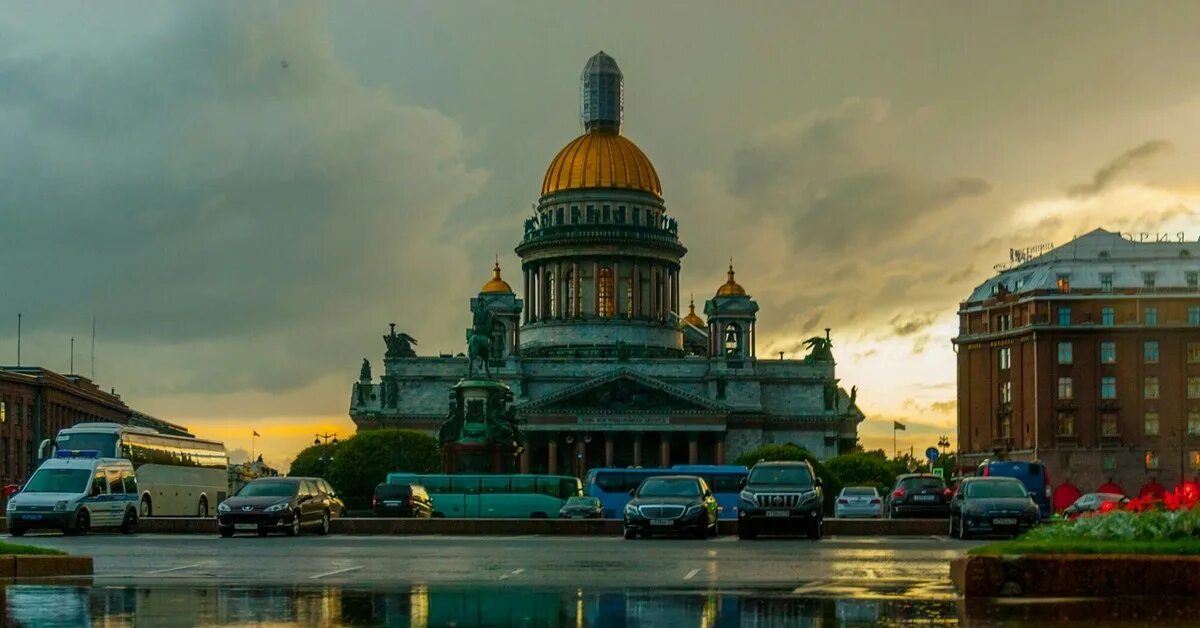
[733,339]
[604,291]
[551,295]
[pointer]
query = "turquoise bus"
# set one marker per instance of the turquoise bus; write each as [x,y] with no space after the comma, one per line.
[517,496]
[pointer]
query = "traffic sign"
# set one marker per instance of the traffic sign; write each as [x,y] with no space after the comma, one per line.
[931,453]
[940,472]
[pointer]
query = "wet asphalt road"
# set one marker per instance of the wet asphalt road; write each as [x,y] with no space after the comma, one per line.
[846,565]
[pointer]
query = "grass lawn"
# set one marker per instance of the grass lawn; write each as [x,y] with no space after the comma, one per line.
[12,548]
[1085,546]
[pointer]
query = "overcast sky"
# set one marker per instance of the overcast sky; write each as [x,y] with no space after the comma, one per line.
[243,231]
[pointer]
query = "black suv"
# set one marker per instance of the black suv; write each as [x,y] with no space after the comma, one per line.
[783,497]
[919,494]
[401,500]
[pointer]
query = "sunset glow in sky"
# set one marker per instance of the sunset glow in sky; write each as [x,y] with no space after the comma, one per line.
[243,232]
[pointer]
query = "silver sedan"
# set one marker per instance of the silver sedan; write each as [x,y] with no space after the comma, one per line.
[858,501]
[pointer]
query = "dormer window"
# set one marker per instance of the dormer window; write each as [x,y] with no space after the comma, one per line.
[1106,282]
[1064,283]
[1149,279]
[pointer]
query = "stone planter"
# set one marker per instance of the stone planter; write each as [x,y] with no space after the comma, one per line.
[1075,575]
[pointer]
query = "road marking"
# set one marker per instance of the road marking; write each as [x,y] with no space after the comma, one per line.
[334,573]
[691,574]
[176,568]
[517,572]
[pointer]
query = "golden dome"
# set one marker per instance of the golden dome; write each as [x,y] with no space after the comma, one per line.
[601,159]
[731,288]
[496,285]
[691,317]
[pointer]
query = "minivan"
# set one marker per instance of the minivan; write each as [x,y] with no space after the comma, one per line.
[76,491]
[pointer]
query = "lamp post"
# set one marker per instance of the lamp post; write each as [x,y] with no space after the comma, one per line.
[326,439]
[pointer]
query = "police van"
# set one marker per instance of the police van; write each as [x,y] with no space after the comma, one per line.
[76,491]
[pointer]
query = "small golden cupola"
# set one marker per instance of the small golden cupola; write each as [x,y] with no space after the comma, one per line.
[731,288]
[496,285]
[692,318]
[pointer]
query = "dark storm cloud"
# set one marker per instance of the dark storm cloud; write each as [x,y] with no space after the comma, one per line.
[1106,175]
[188,188]
[910,323]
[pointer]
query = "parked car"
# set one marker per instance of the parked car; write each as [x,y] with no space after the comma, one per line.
[1033,476]
[76,492]
[337,508]
[781,497]
[671,504]
[401,500]
[276,504]
[919,494]
[582,508]
[858,501]
[1095,502]
[992,506]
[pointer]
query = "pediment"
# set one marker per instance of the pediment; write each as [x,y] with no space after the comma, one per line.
[621,391]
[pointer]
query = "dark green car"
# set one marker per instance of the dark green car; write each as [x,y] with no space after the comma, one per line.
[671,504]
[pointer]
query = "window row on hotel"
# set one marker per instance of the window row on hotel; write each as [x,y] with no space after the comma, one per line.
[1108,353]
[1108,388]
[1108,317]
[1149,281]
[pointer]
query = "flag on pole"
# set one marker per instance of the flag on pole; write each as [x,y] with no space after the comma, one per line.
[898,425]
[256,433]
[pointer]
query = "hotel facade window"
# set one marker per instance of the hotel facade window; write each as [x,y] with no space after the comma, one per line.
[1150,388]
[1193,352]
[1194,316]
[1149,279]
[1066,389]
[1193,387]
[1064,283]
[1193,424]
[1109,462]
[1006,392]
[1108,352]
[1106,282]
[1151,460]
[1150,351]
[1064,317]
[1108,424]
[1150,423]
[1108,388]
[1151,316]
[1005,359]
[1066,424]
[1065,353]
[1107,316]
[1193,279]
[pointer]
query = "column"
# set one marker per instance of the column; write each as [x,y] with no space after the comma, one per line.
[552,446]
[720,450]
[637,449]
[635,290]
[693,448]
[525,292]
[541,291]
[578,288]
[609,437]
[595,288]
[664,450]
[524,460]
[675,290]
[559,292]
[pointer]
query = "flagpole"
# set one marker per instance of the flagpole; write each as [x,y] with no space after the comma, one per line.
[895,449]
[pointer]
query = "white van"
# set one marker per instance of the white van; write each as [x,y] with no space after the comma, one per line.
[76,491]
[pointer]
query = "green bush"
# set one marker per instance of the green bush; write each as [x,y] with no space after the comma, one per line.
[866,469]
[364,460]
[830,486]
[1154,525]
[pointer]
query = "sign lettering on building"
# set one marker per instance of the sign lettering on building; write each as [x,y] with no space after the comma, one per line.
[624,420]
[1156,236]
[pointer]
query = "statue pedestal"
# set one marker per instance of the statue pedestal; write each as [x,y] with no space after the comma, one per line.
[481,435]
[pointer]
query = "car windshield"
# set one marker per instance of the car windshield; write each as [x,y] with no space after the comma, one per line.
[268,489]
[859,491]
[58,481]
[918,484]
[791,476]
[995,489]
[103,442]
[669,487]
[590,502]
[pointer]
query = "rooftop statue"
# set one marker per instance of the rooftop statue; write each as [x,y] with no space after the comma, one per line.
[364,373]
[399,345]
[819,349]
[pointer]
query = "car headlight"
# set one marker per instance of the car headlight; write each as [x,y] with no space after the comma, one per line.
[222,507]
[277,507]
[631,510]
[746,496]
[60,505]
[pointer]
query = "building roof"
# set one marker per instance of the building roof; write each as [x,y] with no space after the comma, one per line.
[731,288]
[496,285]
[691,318]
[1100,255]
[601,158]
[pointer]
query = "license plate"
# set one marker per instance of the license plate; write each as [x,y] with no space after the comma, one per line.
[31,517]
[1004,521]
[661,522]
[245,526]
[777,513]
[391,503]
[925,498]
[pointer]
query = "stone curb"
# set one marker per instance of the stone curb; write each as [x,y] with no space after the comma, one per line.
[1075,575]
[40,566]
[547,527]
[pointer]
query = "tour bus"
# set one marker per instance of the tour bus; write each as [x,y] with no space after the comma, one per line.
[176,475]
[612,485]
[516,496]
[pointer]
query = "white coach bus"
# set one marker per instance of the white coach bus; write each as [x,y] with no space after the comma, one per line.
[177,476]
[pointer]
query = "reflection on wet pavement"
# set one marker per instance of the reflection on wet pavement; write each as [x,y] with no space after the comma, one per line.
[46,606]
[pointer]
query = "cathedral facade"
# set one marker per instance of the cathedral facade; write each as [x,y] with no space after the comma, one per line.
[605,370]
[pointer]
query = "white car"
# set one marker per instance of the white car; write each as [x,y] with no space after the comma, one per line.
[858,501]
[76,491]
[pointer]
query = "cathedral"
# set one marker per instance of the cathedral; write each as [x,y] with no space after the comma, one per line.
[604,369]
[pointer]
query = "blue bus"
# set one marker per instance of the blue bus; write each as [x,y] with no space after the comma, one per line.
[493,496]
[612,486]
[1033,475]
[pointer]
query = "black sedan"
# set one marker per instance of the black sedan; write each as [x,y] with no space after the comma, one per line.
[276,504]
[992,505]
[582,508]
[671,504]
[918,495]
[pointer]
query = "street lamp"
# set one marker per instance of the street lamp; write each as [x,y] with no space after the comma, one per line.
[944,443]
[327,439]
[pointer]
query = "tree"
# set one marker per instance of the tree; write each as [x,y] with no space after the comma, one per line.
[364,460]
[865,469]
[308,462]
[790,451]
